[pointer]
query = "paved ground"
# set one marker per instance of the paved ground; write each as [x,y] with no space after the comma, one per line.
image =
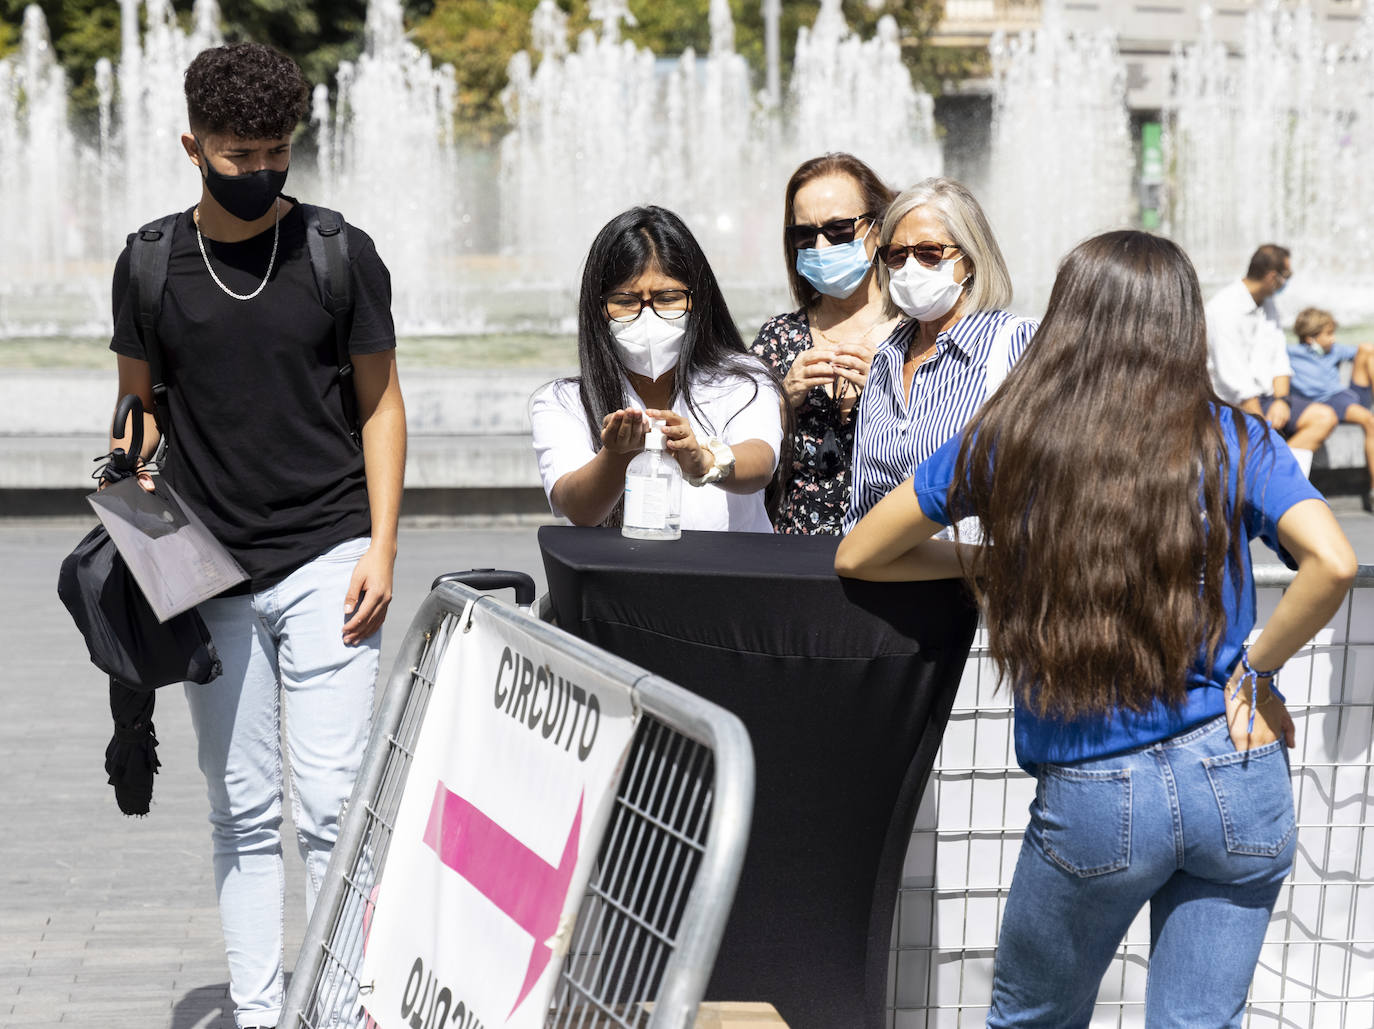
[109,921]
[105,920]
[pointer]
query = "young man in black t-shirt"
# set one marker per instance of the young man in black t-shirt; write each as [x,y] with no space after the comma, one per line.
[261,449]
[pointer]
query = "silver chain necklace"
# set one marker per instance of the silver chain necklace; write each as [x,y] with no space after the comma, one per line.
[271,262]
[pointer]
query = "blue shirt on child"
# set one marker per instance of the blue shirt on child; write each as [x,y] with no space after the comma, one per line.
[1273,484]
[1316,372]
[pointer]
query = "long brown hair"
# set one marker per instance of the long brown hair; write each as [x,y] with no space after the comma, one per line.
[1103,577]
[876,196]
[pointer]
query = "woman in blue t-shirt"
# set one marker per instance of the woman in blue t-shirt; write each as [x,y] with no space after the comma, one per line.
[1118,496]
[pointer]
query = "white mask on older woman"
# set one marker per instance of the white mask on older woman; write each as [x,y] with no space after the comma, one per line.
[925,293]
[649,345]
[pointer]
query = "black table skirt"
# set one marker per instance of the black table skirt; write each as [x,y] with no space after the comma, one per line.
[845,688]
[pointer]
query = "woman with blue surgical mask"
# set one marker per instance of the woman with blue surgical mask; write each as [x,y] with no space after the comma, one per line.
[655,341]
[832,208]
[941,269]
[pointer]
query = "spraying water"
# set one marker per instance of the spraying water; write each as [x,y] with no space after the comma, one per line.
[387,159]
[1061,149]
[609,125]
[1278,145]
[1286,133]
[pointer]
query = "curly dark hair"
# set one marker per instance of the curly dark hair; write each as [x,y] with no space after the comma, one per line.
[246,90]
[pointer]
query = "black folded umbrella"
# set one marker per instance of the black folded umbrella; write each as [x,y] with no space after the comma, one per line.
[131,758]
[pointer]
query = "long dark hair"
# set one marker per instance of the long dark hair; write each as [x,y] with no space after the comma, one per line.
[876,197]
[1103,577]
[625,247]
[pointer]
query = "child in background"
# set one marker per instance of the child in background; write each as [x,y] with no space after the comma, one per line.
[1316,361]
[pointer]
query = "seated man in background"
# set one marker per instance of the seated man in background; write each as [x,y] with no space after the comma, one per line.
[1248,359]
[1316,362]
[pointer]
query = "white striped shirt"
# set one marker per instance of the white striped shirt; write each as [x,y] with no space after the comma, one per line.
[895,433]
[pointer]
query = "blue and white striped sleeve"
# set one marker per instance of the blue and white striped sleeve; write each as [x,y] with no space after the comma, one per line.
[1022,336]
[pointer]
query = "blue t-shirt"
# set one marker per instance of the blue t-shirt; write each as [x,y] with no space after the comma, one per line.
[1273,484]
[1317,373]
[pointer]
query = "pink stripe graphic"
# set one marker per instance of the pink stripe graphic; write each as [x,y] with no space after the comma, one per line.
[518,881]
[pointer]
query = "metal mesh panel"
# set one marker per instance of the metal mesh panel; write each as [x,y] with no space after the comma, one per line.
[644,873]
[334,991]
[1316,968]
[658,895]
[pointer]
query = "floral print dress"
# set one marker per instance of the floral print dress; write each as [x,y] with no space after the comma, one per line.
[816,491]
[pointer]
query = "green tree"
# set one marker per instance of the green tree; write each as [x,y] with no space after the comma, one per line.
[931,66]
[83,31]
[479,37]
[295,27]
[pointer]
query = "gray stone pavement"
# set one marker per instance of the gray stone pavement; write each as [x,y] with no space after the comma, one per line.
[110,921]
[106,920]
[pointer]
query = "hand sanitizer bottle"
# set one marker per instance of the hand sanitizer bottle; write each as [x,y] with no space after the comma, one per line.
[653,492]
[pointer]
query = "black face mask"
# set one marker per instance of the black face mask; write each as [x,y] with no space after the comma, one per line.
[247,196]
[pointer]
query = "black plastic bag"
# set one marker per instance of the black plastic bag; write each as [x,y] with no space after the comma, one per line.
[123,636]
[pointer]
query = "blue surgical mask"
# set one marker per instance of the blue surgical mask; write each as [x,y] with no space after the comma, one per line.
[838,270]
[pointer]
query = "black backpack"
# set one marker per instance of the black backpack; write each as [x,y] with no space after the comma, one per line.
[326,237]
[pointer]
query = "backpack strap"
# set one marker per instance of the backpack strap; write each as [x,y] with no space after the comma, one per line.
[326,237]
[149,255]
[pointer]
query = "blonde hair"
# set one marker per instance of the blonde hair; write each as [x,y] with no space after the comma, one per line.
[1311,321]
[968,228]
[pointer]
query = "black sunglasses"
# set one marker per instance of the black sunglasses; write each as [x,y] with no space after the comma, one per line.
[841,230]
[928,253]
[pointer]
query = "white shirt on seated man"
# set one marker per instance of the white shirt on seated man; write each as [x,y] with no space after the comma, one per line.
[1247,354]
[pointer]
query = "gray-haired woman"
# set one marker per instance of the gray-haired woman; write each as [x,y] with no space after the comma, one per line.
[941,267]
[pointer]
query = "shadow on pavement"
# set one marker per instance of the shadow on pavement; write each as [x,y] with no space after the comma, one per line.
[205,1007]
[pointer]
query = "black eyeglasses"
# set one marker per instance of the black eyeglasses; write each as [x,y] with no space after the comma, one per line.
[928,253]
[841,230]
[626,307]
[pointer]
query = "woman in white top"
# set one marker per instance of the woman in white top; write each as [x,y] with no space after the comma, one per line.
[655,340]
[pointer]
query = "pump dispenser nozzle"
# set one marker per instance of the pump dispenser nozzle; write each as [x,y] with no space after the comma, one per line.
[653,439]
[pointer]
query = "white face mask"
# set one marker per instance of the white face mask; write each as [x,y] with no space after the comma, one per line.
[650,345]
[925,293]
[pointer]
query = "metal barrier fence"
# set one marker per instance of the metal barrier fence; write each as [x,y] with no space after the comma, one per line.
[670,858]
[1317,965]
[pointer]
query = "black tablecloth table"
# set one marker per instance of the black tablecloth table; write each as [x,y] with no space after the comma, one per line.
[845,688]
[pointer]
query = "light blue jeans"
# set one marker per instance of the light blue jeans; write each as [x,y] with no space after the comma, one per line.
[1203,834]
[284,660]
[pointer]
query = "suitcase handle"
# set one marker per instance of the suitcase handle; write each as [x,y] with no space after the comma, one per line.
[493,579]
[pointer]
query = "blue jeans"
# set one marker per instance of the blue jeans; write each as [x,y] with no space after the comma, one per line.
[1203,834]
[284,659]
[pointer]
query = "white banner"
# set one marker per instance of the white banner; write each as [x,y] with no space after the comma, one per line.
[514,775]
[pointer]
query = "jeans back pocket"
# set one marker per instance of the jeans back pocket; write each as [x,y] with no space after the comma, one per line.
[1085,818]
[1255,797]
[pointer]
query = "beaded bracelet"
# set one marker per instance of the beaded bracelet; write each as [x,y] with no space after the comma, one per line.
[1251,675]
